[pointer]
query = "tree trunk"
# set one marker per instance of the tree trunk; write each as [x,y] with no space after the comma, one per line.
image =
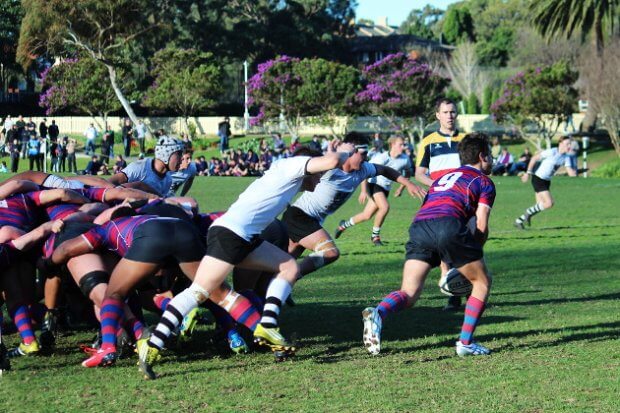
[589,121]
[120,96]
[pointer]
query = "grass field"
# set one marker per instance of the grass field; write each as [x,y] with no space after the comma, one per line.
[552,323]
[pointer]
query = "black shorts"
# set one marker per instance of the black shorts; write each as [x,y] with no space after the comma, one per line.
[443,239]
[540,185]
[71,229]
[166,210]
[374,188]
[276,234]
[158,240]
[227,246]
[299,224]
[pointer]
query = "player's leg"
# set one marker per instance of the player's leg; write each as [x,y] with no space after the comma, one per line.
[414,275]
[369,210]
[17,303]
[324,251]
[478,275]
[544,200]
[383,208]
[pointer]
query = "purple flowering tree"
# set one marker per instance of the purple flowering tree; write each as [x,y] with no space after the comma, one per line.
[295,91]
[536,101]
[78,85]
[401,91]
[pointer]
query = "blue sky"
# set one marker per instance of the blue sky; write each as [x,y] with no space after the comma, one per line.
[395,10]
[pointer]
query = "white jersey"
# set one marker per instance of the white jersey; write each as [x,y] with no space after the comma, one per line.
[265,198]
[181,176]
[334,189]
[142,171]
[551,159]
[400,164]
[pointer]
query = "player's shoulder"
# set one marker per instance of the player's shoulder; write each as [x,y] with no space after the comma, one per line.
[431,138]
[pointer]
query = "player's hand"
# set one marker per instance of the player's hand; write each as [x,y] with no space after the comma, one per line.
[525,177]
[57,226]
[363,197]
[333,144]
[416,191]
[346,147]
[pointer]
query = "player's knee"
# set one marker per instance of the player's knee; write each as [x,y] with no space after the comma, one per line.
[548,204]
[289,270]
[325,252]
[91,280]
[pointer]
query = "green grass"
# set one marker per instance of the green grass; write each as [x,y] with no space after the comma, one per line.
[552,324]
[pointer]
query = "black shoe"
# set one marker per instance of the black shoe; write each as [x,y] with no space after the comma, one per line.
[519,224]
[289,301]
[49,330]
[340,229]
[453,304]
[375,239]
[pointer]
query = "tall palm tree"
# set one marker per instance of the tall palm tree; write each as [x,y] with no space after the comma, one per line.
[566,17]
[570,17]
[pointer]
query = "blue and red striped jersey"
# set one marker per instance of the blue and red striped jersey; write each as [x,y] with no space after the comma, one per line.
[116,235]
[457,194]
[61,210]
[20,210]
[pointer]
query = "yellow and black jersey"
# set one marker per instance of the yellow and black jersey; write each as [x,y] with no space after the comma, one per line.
[439,153]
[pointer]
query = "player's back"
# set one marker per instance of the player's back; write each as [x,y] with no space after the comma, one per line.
[457,194]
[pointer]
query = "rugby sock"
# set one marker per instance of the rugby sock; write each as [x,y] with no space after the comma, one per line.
[222,318]
[376,231]
[473,311]
[161,302]
[21,318]
[134,326]
[257,301]
[349,223]
[392,303]
[530,212]
[178,308]
[244,312]
[277,292]
[111,315]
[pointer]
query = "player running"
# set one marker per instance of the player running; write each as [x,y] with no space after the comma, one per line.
[379,188]
[550,160]
[439,232]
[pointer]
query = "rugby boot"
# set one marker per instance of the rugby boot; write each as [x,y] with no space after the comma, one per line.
[473,349]
[187,326]
[236,343]
[24,350]
[340,229]
[49,329]
[147,357]
[102,358]
[272,338]
[372,330]
[376,240]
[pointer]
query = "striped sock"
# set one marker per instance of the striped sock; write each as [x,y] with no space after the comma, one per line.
[376,231]
[392,303]
[21,318]
[178,308]
[222,318]
[257,301]
[277,292]
[473,311]
[111,315]
[530,212]
[349,223]
[135,326]
[161,302]
[244,312]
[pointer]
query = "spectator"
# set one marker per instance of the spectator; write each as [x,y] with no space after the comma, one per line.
[62,153]
[54,154]
[8,124]
[91,135]
[103,170]
[14,151]
[141,135]
[252,160]
[295,144]
[315,144]
[71,155]
[107,145]
[278,144]
[53,131]
[223,131]
[24,136]
[377,143]
[42,152]
[120,164]
[572,154]
[93,166]
[324,144]
[503,163]
[496,148]
[127,134]
[43,129]
[33,152]
[3,168]
[522,162]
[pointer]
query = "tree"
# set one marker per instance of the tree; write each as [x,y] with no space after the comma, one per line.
[107,31]
[313,90]
[11,13]
[537,100]
[570,17]
[487,100]
[606,88]
[458,24]
[81,85]
[402,91]
[473,107]
[422,22]
[465,72]
[186,82]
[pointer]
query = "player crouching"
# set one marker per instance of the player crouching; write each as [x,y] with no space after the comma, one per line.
[439,232]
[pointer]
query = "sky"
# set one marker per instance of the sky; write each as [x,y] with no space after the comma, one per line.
[395,10]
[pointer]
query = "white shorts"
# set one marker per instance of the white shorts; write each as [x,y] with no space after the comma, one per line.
[55,181]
